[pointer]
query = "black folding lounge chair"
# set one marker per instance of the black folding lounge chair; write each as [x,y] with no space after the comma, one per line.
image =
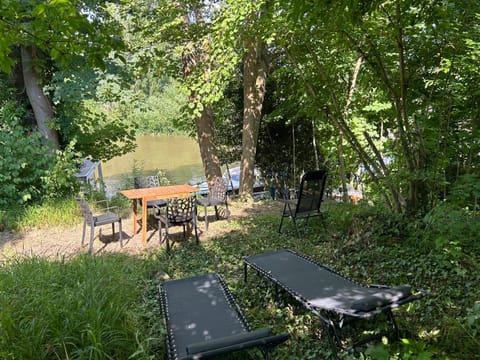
[203,320]
[329,295]
[309,199]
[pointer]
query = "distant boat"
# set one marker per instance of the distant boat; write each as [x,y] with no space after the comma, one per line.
[233,181]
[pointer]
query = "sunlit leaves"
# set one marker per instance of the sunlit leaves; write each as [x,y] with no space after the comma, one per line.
[59,28]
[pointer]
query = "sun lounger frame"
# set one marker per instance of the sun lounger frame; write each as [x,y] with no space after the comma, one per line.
[333,319]
[265,341]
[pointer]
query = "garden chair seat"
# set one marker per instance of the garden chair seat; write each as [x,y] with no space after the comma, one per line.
[203,320]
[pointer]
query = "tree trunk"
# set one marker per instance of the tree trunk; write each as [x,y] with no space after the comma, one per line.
[211,164]
[41,105]
[343,173]
[314,145]
[254,77]
[205,122]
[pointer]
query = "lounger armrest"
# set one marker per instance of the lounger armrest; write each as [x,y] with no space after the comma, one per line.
[382,298]
[236,342]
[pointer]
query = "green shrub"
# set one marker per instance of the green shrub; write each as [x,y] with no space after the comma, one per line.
[24,158]
[60,180]
[466,192]
[449,227]
[31,171]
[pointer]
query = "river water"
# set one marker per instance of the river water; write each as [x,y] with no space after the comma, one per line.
[176,155]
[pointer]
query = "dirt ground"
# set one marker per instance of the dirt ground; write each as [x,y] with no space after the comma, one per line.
[65,242]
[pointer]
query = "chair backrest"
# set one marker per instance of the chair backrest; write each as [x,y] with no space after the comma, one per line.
[141,182]
[219,189]
[86,212]
[311,191]
[180,210]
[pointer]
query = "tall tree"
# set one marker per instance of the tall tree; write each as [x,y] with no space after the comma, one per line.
[195,59]
[82,29]
[180,49]
[413,55]
[254,79]
[41,104]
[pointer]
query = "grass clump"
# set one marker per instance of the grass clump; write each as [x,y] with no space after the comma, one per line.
[81,309]
[58,213]
[61,212]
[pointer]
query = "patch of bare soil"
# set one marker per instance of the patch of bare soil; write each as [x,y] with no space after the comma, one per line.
[65,242]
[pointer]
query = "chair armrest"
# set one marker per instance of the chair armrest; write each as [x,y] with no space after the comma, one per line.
[107,208]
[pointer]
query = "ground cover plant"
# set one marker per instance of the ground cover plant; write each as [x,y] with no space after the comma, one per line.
[107,306]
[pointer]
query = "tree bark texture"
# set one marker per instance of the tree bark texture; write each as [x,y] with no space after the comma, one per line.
[205,134]
[254,77]
[41,105]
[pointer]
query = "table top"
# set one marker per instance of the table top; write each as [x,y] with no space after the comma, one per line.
[160,192]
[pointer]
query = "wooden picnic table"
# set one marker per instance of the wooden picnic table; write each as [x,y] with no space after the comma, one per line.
[153,193]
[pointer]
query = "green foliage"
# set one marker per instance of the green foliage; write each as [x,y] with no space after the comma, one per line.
[77,309]
[82,29]
[405,350]
[60,181]
[471,323]
[451,229]
[89,112]
[24,158]
[97,134]
[162,109]
[466,191]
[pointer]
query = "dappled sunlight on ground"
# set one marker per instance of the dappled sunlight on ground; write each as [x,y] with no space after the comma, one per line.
[65,242]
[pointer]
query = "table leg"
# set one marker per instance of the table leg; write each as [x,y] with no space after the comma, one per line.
[134,210]
[144,222]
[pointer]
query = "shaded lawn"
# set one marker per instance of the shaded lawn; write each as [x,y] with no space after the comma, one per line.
[433,326]
[50,297]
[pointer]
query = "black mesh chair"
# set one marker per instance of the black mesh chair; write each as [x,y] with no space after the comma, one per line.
[307,204]
[177,212]
[216,197]
[203,320]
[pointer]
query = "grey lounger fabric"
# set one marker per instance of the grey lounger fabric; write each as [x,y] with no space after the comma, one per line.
[322,288]
[325,292]
[203,320]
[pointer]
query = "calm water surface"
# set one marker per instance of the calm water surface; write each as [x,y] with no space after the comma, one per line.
[178,156]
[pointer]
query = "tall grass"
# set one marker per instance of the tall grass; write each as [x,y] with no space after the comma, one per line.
[82,309]
[53,213]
